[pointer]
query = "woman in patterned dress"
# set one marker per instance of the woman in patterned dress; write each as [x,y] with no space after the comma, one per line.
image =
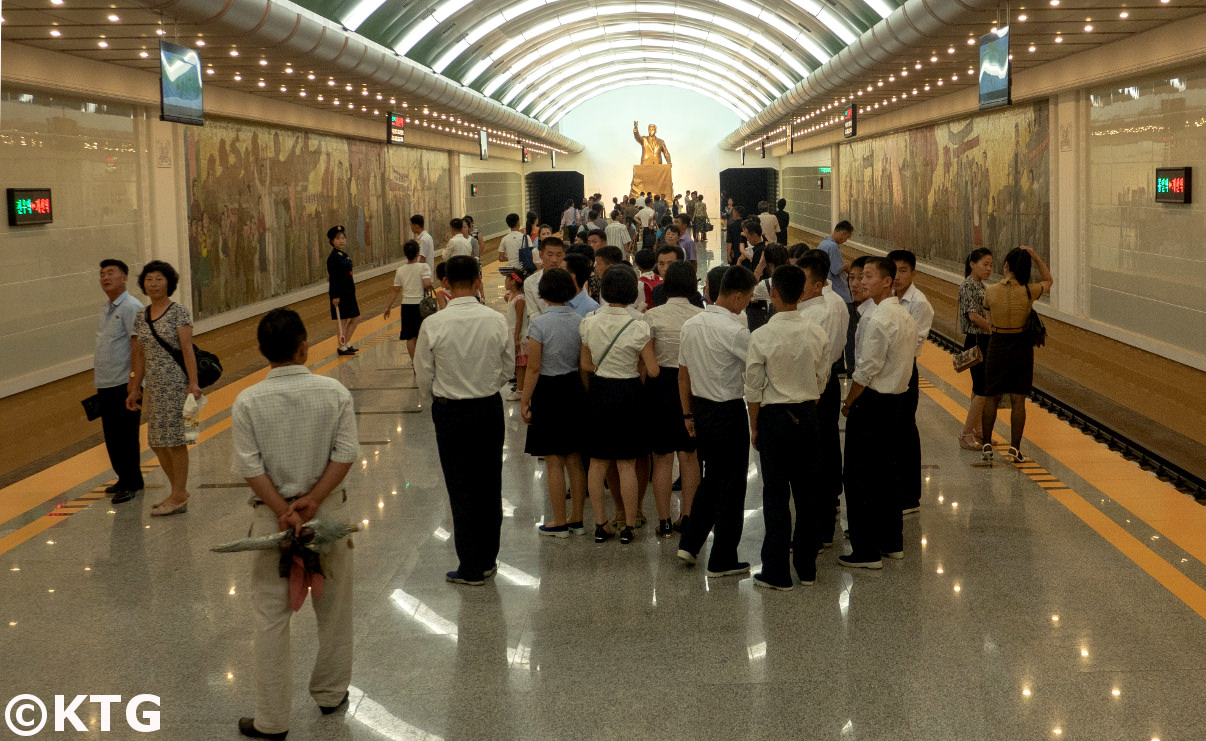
[168,380]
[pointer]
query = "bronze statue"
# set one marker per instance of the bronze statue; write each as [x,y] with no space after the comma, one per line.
[652,148]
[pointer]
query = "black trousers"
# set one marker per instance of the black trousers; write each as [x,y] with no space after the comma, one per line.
[872,458]
[121,437]
[787,445]
[910,446]
[469,437]
[722,433]
[848,354]
[829,452]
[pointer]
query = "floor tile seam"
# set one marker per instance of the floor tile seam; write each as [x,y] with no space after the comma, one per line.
[1139,505]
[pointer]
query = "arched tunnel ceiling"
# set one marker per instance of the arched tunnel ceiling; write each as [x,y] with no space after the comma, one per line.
[510,50]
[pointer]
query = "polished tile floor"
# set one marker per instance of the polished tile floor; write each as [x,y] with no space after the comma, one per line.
[1009,618]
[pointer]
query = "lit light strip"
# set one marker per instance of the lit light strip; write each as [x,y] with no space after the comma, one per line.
[561,94]
[661,81]
[416,34]
[359,13]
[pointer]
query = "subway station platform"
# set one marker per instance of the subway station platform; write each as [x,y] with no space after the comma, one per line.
[1060,599]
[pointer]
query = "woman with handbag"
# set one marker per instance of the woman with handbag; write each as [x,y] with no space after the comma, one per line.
[699,219]
[413,281]
[976,269]
[161,352]
[1016,329]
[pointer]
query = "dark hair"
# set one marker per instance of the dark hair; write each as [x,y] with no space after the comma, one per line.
[821,255]
[860,262]
[280,333]
[683,218]
[816,268]
[657,198]
[173,278]
[619,285]
[512,221]
[675,228]
[679,280]
[782,202]
[441,271]
[456,224]
[678,251]
[467,219]
[763,206]
[551,241]
[462,271]
[410,249]
[556,286]
[417,220]
[615,214]
[905,256]
[596,233]
[737,279]
[569,204]
[645,259]
[797,250]
[580,267]
[752,226]
[788,280]
[738,211]
[775,255]
[113,263]
[714,279]
[973,257]
[648,201]
[531,220]
[844,226]
[883,266]
[610,255]
[631,201]
[1018,261]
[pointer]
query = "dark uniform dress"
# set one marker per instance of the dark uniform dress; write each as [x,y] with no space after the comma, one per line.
[342,286]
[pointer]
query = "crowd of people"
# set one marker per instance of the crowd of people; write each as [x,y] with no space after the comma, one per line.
[607,323]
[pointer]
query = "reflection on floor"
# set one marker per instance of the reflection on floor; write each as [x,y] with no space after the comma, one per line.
[1014,615]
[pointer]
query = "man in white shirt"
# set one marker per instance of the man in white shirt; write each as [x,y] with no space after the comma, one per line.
[426,243]
[509,246]
[458,243]
[617,232]
[552,255]
[294,463]
[883,364]
[711,368]
[769,222]
[110,374]
[464,356]
[644,217]
[785,371]
[922,312]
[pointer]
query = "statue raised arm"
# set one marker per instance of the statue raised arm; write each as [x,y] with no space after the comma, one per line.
[652,148]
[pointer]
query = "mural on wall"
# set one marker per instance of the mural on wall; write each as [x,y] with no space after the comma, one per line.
[260,201]
[946,189]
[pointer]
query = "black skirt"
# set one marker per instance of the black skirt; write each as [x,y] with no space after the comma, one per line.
[411,321]
[617,431]
[977,370]
[557,406]
[348,308]
[667,431]
[1010,364]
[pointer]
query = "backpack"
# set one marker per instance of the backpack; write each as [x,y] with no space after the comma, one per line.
[649,284]
[525,256]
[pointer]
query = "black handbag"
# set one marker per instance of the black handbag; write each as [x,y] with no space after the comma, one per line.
[209,368]
[92,407]
[428,305]
[1035,327]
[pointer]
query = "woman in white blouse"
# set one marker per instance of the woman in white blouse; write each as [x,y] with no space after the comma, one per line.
[617,348]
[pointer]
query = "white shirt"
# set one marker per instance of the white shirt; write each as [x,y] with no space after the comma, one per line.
[533,304]
[865,309]
[290,425]
[762,290]
[885,356]
[464,352]
[458,244]
[839,321]
[788,361]
[922,311]
[427,249]
[629,333]
[410,279]
[770,226]
[617,235]
[816,311]
[666,326]
[713,347]
[510,245]
[643,216]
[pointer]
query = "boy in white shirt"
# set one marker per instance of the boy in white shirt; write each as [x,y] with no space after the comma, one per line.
[922,312]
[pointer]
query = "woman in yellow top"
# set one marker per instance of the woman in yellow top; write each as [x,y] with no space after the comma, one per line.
[1010,360]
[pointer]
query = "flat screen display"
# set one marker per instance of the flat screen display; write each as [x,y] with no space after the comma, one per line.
[995,73]
[395,128]
[850,121]
[553,158]
[28,206]
[180,84]
[1174,185]
[483,144]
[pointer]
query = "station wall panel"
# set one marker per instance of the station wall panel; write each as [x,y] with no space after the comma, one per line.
[807,191]
[498,194]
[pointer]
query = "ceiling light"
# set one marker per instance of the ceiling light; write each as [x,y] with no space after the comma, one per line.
[933,59]
[1059,39]
[1123,14]
[954,77]
[114,18]
[1031,49]
[56,34]
[951,50]
[331,82]
[379,96]
[1022,18]
[209,71]
[917,66]
[238,78]
[1054,2]
[283,90]
[335,102]
[159,31]
[904,73]
[234,52]
[1088,29]
[364,92]
[302,93]
[144,54]
[56,2]
[288,70]
[393,101]
[103,44]
[263,62]
[310,76]
[348,88]
[926,88]
[263,84]
[940,83]
[320,96]
[200,42]
[891,78]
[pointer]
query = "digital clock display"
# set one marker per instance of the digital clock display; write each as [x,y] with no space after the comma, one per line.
[28,206]
[395,132]
[850,121]
[1173,185]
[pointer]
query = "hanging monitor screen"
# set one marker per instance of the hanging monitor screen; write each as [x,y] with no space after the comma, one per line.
[995,70]
[483,144]
[1173,185]
[850,121]
[180,84]
[29,206]
[395,128]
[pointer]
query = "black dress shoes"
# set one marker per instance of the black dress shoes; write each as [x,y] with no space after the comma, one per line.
[328,710]
[247,728]
[120,497]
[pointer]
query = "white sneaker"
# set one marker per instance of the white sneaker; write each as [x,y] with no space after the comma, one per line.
[514,396]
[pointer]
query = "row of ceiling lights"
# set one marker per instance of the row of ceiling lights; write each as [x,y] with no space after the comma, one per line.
[934,58]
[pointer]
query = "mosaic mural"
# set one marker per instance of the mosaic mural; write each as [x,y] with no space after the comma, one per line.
[261,201]
[946,189]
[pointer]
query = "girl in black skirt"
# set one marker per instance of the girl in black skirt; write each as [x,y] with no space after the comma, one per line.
[616,346]
[553,399]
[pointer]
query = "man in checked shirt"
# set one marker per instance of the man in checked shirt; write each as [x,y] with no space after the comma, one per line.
[294,441]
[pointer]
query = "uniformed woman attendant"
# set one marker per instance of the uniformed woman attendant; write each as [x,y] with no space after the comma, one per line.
[342,290]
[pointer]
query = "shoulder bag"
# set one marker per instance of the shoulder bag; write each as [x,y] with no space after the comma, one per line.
[429,305]
[1034,325]
[968,358]
[209,368]
[613,343]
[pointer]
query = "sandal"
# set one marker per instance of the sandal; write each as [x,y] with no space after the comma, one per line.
[1014,455]
[986,452]
[968,441]
[602,534]
[627,535]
